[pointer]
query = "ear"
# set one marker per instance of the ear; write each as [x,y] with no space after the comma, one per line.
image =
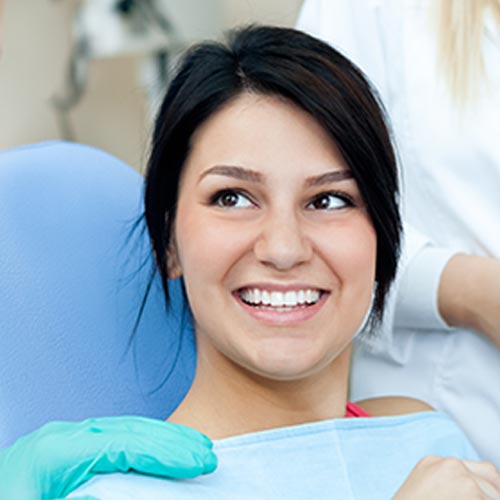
[174,269]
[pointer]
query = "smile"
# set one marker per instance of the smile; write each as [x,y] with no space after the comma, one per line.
[283,307]
[281,301]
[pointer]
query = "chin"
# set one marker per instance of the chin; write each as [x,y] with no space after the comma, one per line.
[288,370]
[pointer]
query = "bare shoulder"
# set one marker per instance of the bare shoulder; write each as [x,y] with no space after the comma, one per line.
[393,405]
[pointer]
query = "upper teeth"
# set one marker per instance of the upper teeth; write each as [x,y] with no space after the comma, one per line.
[280,299]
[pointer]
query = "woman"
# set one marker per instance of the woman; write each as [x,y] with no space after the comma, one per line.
[436,67]
[272,191]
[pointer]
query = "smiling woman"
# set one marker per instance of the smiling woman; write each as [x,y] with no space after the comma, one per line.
[267,239]
[264,189]
[272,192]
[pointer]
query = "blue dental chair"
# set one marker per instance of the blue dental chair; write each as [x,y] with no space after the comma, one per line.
[73,273]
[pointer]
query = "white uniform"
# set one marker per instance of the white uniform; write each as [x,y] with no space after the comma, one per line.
[451,193]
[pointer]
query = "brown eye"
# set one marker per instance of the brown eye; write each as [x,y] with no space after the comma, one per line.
[321,203]
[231,199]
[330,201]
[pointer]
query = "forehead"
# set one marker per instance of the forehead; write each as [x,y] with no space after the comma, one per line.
[264,133]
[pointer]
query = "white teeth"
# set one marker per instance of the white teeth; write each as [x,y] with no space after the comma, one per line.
[279,299]
[291,299]
[276,299]
[312,296]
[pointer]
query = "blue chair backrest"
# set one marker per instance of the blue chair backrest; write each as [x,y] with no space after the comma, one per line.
[72,279]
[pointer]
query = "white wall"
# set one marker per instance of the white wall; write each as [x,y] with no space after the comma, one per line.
[113,113]
[283,12]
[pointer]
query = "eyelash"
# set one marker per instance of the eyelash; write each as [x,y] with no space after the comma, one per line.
[216,197]
[344,197]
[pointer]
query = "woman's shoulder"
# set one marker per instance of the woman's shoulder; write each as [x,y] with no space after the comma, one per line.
[393,405]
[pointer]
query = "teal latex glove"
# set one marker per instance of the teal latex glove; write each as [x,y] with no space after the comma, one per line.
[57,458]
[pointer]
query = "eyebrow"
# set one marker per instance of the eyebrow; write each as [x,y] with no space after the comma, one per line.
[335,176]
[245,174]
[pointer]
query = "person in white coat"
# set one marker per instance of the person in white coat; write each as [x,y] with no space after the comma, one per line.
[437,68]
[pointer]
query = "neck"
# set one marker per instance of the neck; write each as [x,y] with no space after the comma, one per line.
[227,400]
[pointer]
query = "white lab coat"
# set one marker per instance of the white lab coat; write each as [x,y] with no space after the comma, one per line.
[451,193]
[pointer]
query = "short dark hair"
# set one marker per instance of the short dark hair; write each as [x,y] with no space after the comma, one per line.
[308,73]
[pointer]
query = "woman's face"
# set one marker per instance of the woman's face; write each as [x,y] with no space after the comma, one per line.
[272,238]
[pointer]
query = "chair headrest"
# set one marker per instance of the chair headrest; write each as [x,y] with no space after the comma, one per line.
[73,274]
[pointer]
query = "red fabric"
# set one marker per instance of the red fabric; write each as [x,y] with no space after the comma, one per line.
[353,411]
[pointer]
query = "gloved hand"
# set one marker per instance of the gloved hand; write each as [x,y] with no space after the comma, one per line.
[60,456]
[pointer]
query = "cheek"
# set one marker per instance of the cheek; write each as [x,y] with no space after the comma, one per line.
[352,260]
[208,247]
[352,253]
[361,254]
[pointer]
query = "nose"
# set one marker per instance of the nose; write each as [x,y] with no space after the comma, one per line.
[282,242]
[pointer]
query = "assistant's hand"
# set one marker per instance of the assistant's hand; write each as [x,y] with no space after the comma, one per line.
[469,294]
[57,458]
[436,478]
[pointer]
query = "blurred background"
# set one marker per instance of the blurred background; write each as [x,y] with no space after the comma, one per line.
[93,70]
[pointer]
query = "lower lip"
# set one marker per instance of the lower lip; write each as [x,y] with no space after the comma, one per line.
[294,316]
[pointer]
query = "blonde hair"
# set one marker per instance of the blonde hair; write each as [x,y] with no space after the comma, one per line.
[460,25]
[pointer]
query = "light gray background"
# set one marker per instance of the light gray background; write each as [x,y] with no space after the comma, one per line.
[113,114]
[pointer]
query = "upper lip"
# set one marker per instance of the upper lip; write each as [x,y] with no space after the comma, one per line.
[281,287]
